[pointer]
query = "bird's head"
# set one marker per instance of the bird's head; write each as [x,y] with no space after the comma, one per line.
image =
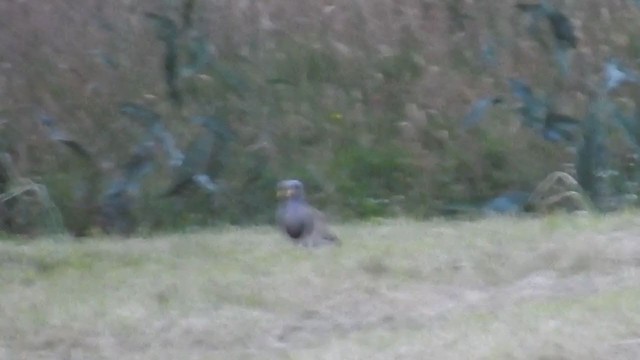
[290,189]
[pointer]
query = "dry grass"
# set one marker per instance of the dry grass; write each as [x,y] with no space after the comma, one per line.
[400,74]
[555,288]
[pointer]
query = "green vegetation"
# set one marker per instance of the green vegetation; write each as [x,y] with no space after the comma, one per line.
[363,103]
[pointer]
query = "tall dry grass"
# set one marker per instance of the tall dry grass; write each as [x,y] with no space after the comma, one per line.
[369,118]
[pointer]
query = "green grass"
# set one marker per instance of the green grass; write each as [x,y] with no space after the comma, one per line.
[554,288]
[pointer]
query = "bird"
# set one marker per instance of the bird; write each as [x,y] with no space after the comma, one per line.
[301,222]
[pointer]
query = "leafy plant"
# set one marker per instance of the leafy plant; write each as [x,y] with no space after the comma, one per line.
[370,178]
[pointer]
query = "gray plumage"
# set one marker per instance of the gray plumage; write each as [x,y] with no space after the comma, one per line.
[301,222]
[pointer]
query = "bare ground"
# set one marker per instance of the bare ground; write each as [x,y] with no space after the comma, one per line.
[555,288]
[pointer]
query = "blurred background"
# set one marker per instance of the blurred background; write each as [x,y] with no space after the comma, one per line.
[153,115]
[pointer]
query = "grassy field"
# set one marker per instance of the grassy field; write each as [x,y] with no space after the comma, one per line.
[554,288]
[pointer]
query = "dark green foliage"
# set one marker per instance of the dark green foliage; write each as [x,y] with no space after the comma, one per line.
[367,118]
[630,126]
[302,63]
[167,32]
[165,28]
[533,109]
[560,25]
[633,50]
[25,206]
[195,162]
[116,206]
[561,29]
[58,135]
[223,138]
[457,17]
[320,66]
[85,187]
[559,127]
[231,80]
[591,159]
[148,117]
[562,56]
[495,157]
[536,14]
[194,169]
[538,114]
[368,178]
[117,215]
[489,53]
[106,59]
[215,125]
[198,56]
[152,122]
[252,200]
[279,81]
[187,14]
[479,109]
[625,180]
[400,67]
